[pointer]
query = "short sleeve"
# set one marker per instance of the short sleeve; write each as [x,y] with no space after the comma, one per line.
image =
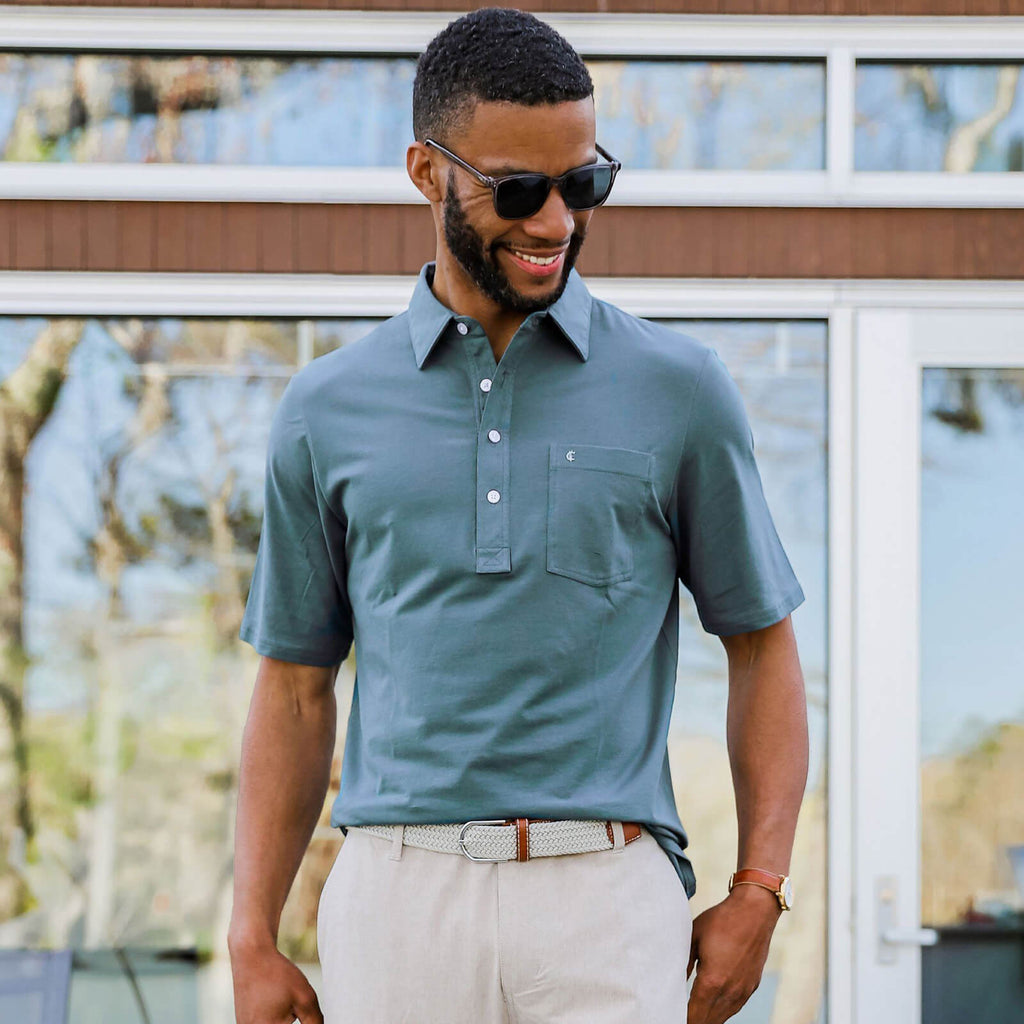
[297,608]
[729,555]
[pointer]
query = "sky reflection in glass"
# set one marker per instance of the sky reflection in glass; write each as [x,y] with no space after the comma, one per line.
[357,111]
[939,117]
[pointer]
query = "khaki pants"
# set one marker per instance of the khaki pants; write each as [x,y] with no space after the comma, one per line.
[413,936]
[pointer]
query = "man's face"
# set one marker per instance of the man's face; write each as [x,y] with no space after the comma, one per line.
[505,138]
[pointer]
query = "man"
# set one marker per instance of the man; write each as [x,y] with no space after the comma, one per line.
[494,496]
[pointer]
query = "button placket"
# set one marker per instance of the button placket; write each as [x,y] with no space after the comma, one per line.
[482,366]
[493,551]
[493,393]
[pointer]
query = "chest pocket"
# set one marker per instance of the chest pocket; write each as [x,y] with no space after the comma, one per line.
[595,496]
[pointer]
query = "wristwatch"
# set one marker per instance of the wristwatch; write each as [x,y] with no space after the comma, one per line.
[780,885]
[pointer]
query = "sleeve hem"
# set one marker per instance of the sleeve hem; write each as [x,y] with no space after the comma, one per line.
[285,651]
[755,618]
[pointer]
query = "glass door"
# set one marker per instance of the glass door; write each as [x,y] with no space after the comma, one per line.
[938,674]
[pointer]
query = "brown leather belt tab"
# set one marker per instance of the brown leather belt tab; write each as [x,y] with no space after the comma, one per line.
[523,845]
[630,831]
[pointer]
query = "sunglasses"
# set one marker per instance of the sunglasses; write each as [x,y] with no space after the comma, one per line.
[517,196]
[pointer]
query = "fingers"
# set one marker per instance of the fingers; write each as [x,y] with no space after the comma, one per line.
[714,1000]
[307,1008]
[704,1003]
[270,989]
[703,995]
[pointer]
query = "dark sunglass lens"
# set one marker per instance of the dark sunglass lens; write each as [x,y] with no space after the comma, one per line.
[588,187]
[520,197]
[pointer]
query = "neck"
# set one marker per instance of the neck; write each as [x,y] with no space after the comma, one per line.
[454,289]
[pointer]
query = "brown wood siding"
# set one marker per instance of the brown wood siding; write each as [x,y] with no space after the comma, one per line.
[840,7]
[623,241]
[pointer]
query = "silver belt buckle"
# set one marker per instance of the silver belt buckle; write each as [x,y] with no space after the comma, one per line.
[478,821]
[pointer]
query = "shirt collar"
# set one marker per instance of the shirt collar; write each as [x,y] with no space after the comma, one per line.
[428,316]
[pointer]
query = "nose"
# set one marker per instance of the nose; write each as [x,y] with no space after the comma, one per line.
[553,220]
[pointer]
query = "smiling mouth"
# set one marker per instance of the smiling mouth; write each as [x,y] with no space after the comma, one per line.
[534,265]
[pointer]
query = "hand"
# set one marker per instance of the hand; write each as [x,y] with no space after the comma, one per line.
[730,942]
[270,989]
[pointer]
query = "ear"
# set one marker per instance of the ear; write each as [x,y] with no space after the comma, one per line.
[422,172]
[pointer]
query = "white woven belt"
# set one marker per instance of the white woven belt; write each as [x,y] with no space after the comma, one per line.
[494,840]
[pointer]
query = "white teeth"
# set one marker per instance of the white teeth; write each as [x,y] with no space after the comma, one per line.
[541,261]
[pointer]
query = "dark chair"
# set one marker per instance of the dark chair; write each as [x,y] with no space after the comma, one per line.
[34,985]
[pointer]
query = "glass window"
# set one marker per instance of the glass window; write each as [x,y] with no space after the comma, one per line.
[357,111]
[195,109]
[142,504]
[781,370]
[972,702]
[141,484]
[703,115]
[330,334]
[939,117]
[972,737]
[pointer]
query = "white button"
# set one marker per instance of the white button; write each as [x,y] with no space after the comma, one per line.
[493,496]
[485,384]
[462,328]
[494,435]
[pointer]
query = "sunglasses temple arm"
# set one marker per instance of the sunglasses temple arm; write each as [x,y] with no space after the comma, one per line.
[479,175]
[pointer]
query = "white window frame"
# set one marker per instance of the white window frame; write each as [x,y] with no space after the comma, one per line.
[838,41]
[842,303]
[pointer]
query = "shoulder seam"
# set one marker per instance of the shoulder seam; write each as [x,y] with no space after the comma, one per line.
[686,429]
[312,461]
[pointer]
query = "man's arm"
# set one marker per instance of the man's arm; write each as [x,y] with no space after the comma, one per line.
[287,747]
[766,727]
[768,752]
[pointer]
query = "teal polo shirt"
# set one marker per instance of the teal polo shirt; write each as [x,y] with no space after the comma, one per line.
[503,542]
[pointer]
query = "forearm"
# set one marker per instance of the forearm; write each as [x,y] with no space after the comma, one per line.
[287,748]
[768,745]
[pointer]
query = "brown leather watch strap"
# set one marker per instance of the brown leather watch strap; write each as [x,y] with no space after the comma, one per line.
[758,877]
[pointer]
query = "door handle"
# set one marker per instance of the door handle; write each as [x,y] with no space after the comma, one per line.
[890,935]
[910,936]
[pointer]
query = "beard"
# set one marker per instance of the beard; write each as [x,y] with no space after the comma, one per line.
[481,264]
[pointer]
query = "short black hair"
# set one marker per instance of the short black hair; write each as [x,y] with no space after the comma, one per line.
[492,54]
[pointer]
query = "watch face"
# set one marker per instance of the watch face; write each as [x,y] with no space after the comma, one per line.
[787,891]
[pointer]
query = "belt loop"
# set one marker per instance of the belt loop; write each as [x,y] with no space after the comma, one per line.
[619,837]
[397,836]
